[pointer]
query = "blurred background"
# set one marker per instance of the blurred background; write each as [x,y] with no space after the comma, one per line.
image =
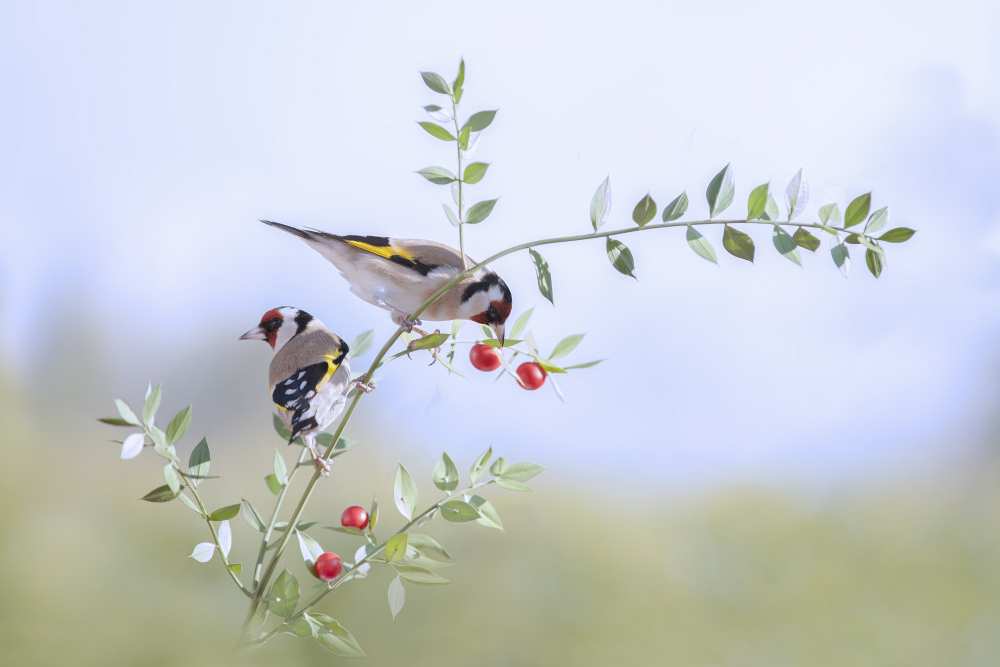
[774,466]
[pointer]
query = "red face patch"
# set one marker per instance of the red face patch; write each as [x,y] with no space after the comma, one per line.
[503,310]
[270,322]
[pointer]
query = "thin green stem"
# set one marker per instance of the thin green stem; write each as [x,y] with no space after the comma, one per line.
[274,519]
[211,528]
[461,213]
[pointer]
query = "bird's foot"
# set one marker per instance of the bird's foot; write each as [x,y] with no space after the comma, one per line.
[361,385]
[322,465]
[404,320]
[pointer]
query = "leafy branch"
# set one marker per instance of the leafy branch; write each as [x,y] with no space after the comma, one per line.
[412,556]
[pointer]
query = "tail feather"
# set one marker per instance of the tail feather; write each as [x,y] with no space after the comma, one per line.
[295,231]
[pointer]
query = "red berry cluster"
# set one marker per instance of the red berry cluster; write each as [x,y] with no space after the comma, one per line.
[530,374]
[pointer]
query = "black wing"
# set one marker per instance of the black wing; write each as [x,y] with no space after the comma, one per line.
[295,392]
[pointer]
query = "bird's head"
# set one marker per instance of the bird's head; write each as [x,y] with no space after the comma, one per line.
[487,300]
[279,325]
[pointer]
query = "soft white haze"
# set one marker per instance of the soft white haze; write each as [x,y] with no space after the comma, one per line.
[142,141]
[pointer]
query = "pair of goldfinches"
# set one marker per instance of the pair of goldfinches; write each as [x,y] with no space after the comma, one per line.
[309,377]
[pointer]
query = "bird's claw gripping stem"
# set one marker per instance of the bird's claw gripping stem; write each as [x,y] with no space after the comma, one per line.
[360,384]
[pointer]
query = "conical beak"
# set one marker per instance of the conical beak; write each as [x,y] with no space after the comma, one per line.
[254,334]
[498,331]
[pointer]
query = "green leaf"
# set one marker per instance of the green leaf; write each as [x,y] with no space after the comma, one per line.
[600,203]
[565,346]
[480,465]
[225,513]
[676,208]
[445,473]
[459,82]
[284,595]
[897,235]
[798,195]
[458,511]
[829,214]
[357,348]
[151,405]
[160,494]
[436,130]
[252,516]
[857,210]
[273,484]
[488,515]
[178,426]
[512,485]
[498,466]
[877,220]
[336,638]
[235,568]
[873,260]
[804,239]
[114,421]
[480,120]
[702,246]
[159,439]
[280,469]
[419,575]
[479,211]
[450,213]
[771,211]
[404,492]
[200,460]
[587,364]
[395,547]
[172,478]
[757,201]
[281,428]
[437,175]
[720,191]
[436,82]
[428,342]
[737,243]
[522,472]
[542,274]
[397,596]
[784,244]
[841,256]
[521,323]
[475,172]
[853,239]
[125,412]
[644,211]
[429,547]
[620,257]
[463,138]
[373,515]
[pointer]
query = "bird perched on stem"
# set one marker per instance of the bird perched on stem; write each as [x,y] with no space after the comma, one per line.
[398,275]
[309,376]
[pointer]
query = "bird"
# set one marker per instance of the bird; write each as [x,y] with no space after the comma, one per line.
[309,376]
[398,275]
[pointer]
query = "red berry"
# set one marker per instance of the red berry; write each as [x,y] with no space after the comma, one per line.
[328,566]
[531,375]
[354,516]
[484,357]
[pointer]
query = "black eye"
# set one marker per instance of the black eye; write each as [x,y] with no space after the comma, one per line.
[491,313]
[273,325]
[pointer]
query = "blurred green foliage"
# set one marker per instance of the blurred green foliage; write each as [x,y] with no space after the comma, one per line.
[905,575]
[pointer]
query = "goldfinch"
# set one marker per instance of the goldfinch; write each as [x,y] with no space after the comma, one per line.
[400,274]
[309,376]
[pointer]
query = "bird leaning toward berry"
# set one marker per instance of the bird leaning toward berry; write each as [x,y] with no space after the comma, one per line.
[309,377]
[398,275]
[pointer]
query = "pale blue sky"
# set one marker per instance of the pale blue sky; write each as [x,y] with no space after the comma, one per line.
[143,141]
